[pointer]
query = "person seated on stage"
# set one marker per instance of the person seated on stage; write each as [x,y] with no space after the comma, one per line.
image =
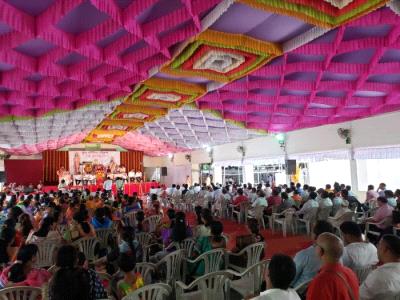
[132,175]
[100,221]
[62,186]
[107,185]
[119,183]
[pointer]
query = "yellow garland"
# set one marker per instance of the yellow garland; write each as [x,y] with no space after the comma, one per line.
[122,122]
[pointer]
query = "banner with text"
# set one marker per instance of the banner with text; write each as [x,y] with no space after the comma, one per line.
[82,161]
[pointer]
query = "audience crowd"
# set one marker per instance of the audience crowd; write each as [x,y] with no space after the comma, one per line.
[354,254]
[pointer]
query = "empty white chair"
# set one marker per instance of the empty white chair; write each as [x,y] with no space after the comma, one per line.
[252,253]
[208,287]
[157,291]
[258,214]
[250,280]
[20,293]
[87,246]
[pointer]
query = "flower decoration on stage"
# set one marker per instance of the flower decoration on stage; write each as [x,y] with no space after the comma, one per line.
[324,13]
[345,133]
[221,56]
[166,93]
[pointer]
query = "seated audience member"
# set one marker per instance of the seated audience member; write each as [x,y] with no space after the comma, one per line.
[325,201]
[132,280]
[203,229]
[384,282]
[281,271]
[85,229]
[25,226]
[274,201]
[97,290]
[297,198]
[392,201]
[372,196]
[382,214]
[336,202]
[307,261]
[309,205]
[287,202]
[22,272]
[381,189]
[240,198]
[207,243]
[334,281]
[46,231]
[260,200]
[357,252]
[100,221]
[339,216]
[353,202]
[69,281]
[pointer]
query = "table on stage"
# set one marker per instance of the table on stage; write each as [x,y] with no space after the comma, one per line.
[129,188]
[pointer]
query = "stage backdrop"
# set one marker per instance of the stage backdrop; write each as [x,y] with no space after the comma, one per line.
[52,161]
[106,158]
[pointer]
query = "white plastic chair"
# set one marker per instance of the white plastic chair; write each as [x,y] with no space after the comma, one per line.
[242,214]
[20,293]
[285,222]
[172,266]
[103,235]
[258,214]
[45,256]
[252,253]
[309,219]
[157,291]
[213,260]
[386,222]
[87,246]
[153,222]
[324,213]
[189,245]
[130,218]
[146,270]
[249,284]
[209,287]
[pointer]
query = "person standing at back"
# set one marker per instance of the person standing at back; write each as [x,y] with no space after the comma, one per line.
[334,281]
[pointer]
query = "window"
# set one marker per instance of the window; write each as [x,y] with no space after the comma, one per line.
[232,174]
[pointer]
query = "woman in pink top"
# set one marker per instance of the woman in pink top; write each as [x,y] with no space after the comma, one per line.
[22,272]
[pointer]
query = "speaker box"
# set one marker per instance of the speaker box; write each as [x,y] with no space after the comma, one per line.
[164,171]
[290,165]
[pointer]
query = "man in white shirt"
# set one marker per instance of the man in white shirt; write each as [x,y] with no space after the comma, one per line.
[310,204]
[107,185]
[281,271]
[357,253]
[384,282]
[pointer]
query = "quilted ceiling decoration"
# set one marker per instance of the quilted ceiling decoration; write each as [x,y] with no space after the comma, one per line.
[165,76]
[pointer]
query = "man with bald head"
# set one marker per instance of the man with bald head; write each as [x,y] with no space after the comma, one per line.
[334,281]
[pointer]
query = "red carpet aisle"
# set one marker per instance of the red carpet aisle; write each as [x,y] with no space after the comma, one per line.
[276,243]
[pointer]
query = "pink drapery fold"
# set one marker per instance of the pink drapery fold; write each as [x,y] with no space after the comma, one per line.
[48,145]
[149,145]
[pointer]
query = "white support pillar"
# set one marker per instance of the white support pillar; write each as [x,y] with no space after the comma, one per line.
[353,173]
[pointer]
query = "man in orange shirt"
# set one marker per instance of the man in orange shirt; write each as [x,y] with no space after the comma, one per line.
[334,281]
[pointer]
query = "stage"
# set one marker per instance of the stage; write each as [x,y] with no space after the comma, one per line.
[129,188]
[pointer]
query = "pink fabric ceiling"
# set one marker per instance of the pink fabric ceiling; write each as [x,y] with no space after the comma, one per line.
[65,54]
[349,73]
